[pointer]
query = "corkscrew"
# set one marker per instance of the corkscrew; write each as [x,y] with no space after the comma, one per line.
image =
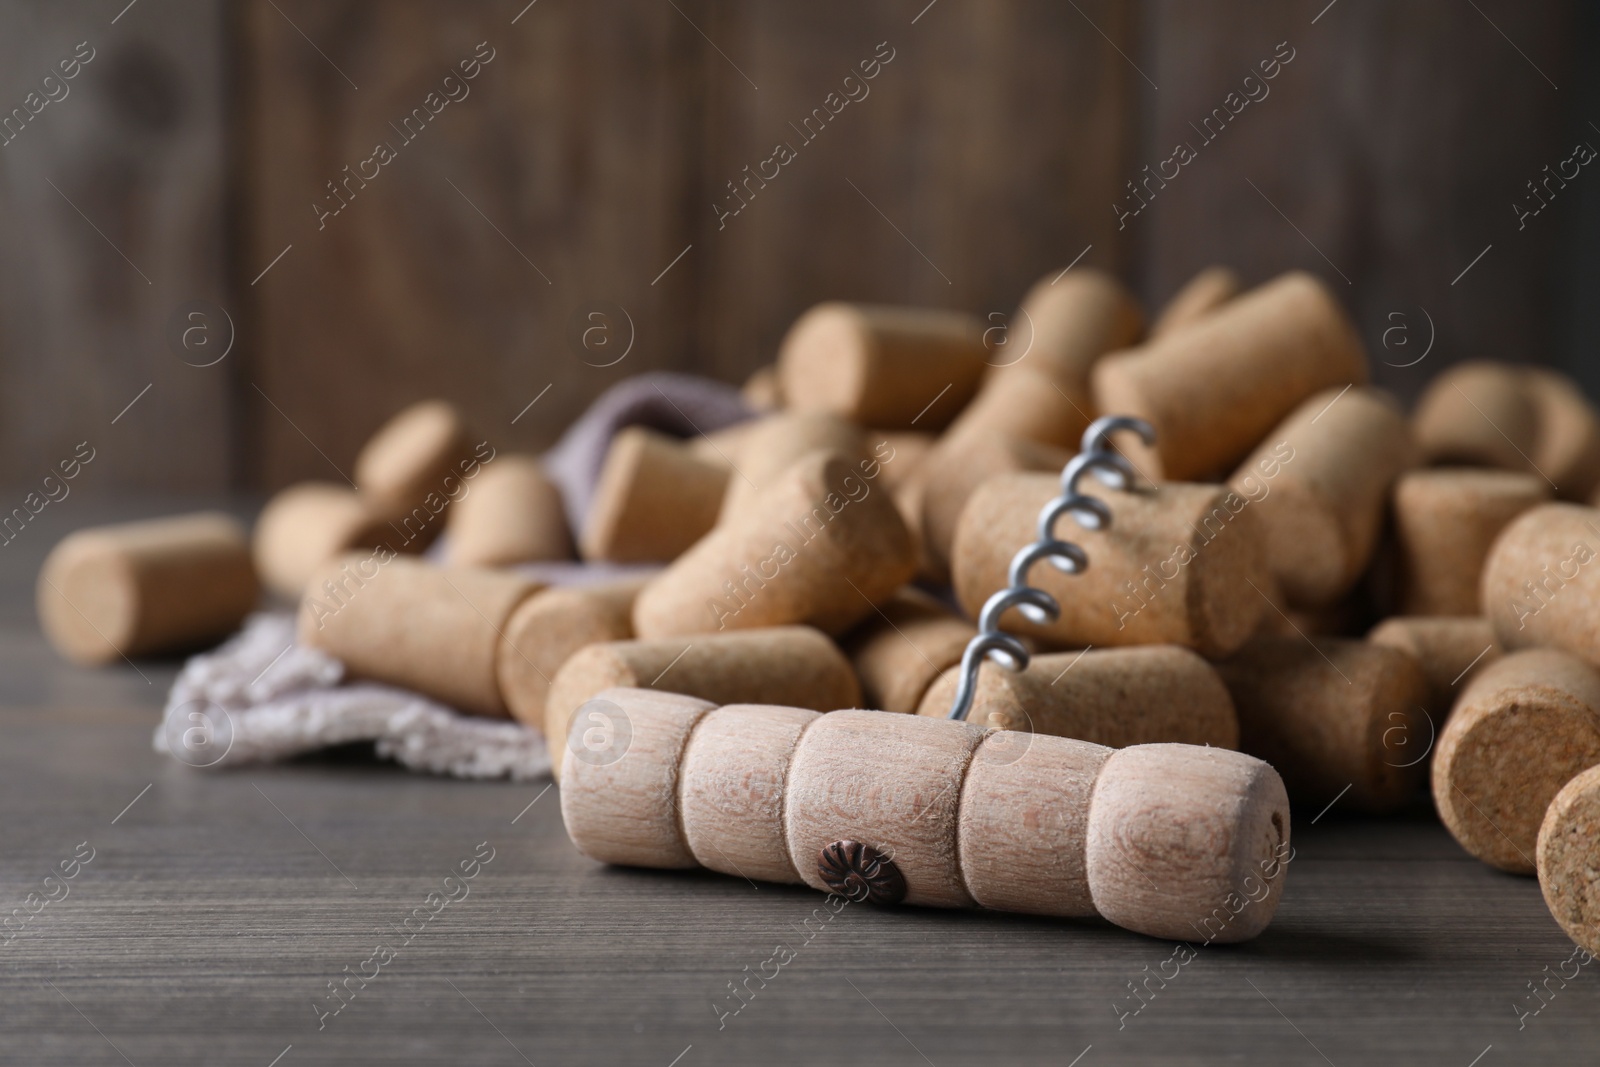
[1096,455]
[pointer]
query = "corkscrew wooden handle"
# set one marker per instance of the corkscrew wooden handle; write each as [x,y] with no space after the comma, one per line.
[1167,840]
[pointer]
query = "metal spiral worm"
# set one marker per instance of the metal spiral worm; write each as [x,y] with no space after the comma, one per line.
[1111,469]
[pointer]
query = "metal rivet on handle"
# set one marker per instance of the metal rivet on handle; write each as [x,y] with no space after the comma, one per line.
[860,873]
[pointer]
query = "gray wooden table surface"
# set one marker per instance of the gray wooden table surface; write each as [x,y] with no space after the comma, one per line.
[217,907]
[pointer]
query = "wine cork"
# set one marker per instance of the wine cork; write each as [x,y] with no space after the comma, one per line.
[433,629]
[892,367]
[1445,522]
[654,499]
[721,446]
[1319,483]
[773,445]
[546,629]
[1450,650]
[1275,618]
[1111,696]
[1478,414]
[1181,564]
[1021,419]
[908,502]
[1540,582]
[902,454]
[512,513]
[1513,417]
[1567,449]
[1199,297]
[141,588]
[1067,321]
[304,526]
[951,482]
[1337,718]
[410,457]
[1568,859]
[1213,391]
[820,546]
[619,795]
[1523,728]
[791,665]
[762,390]
[1022,402]
[1345,617]
[903,646]
[1168,840]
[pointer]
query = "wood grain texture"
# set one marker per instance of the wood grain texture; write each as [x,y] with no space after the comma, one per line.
[1183,840]
[1374,143]
[1024,821]
[591,150]
[620,798]
[937,187]
[731,793]
[206,924]
[557,182]
[640,116]
[112,202]
[883,807]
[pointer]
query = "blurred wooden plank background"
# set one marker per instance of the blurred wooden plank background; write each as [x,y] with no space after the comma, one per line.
[114,213]
[586,171]
[1385,158]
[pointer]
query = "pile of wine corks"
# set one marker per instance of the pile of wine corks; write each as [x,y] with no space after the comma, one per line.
[1302,571]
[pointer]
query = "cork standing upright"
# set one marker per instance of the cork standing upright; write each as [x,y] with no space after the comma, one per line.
[1525,727]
